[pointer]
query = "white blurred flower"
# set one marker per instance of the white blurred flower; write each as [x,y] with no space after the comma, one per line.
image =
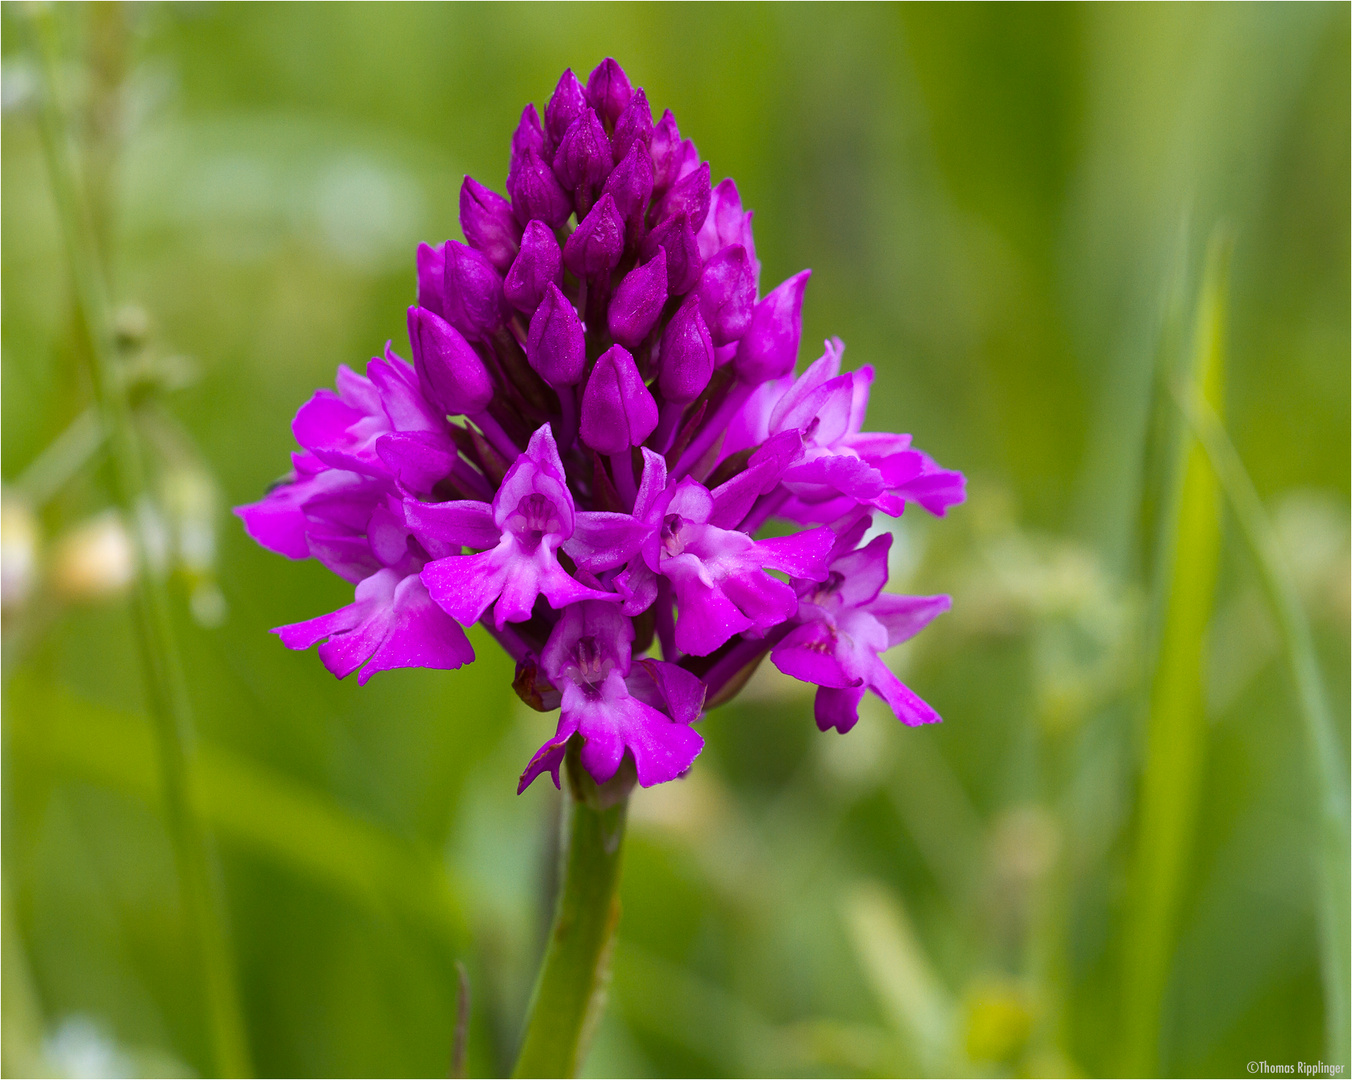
[95,559]
[19,538]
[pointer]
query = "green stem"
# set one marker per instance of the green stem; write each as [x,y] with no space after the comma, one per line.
[570,993]
[1327,765]
[166,691]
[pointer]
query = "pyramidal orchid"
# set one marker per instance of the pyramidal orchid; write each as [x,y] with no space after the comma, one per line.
[598,415]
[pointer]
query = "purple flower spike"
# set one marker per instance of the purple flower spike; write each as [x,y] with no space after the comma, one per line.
[727,294]
[769,349]
[635,125]
[631,185]
[471,291]
[638,301]
[689,196]
[556,345]
[566,104]
[538,265]
[582,162]
[536,194]
[488,223]
[449,370]
[608,91]
[683,258]
[687,359]
[623,520]
[597,244]
[617,410]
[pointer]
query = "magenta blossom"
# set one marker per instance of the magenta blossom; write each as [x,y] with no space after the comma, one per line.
[600,417]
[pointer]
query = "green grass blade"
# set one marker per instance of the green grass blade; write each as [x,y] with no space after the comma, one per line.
[1327,767]
[1176,729]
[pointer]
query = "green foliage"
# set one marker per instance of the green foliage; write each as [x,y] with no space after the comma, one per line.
[1006,210]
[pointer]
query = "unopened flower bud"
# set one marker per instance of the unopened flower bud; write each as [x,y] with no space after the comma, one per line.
[449,370]
[538,264]
[727,294]
[638,301]
[631,185]
[536,194]
[597,244]
[687,357]
[471,291]
[582,162]
[617,409]
[556,345]
[727,222]
[689,196]
[528,136]
[431,279]
[671,154]
[683,259]
[488,223]
[769,348]
[635,125]
[566,104]
[608,91]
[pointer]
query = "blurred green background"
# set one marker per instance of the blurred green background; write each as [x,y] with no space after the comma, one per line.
[1007,210]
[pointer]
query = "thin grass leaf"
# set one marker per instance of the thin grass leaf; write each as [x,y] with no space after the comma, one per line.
[1328,768]
[1176,729]
[902,977]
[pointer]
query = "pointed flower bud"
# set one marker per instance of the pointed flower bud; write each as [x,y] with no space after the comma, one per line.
[539,263]
[597,244]
[683,259]
[556,345]
[632,186]
[582,162]
[528,136]
[638,301]
[617,409]
[566,104]
[687,358]
[536,194]
[663,146]
[689,196]
[635,125]
[608,91]
[431,272]
[471,291]
[727,294]
[769,349]
[727,223]
[449,370]
[488,223]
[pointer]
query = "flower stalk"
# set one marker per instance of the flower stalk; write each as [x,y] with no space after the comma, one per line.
[571,989]
[166,691]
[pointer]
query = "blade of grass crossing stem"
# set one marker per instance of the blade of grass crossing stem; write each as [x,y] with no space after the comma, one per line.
[1328,769]
[1176,728]
[166,692]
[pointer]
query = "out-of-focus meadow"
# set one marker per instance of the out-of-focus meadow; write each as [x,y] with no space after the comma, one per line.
[1043,225]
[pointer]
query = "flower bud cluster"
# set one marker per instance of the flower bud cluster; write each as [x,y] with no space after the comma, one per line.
[600,415]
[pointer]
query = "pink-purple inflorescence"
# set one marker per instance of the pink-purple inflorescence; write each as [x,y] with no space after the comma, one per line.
[626,419]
